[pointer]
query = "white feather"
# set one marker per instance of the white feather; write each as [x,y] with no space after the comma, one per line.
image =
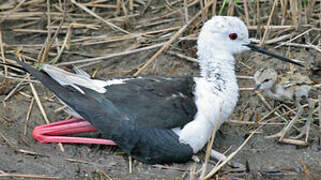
[212,106]
[81,79]
[216,92]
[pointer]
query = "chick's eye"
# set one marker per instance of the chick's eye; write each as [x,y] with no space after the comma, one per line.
[266,80]
[233,36]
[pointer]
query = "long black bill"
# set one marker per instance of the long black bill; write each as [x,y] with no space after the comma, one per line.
[264,51]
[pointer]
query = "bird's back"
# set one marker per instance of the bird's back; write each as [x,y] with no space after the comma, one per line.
[294,84]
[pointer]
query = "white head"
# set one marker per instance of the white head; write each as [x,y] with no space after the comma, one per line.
[265,78]
[223,34]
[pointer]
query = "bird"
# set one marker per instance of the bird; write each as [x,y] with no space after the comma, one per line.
[293,86]
[154,119]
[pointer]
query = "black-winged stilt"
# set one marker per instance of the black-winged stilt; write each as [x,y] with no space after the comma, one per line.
[153,119]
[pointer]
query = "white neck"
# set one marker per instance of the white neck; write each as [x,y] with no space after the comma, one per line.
[217,68]
[216,94]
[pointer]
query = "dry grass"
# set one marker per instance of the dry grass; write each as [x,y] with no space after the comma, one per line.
[63,26]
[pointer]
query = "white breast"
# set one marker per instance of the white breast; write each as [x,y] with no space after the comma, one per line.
[213,108]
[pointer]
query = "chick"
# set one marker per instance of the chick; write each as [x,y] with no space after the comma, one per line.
[295,87]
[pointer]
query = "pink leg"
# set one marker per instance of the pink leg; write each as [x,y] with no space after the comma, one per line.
[52,132]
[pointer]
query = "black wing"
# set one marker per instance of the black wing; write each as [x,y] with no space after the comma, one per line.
[155,101]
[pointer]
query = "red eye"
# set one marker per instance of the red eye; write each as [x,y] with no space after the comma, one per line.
[233,36]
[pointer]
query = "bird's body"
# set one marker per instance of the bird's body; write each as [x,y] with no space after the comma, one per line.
[153,119]
[285,86]
[179,106]
[185,105]
[293,86]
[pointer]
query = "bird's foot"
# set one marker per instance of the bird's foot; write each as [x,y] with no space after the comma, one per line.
[282,133]
[221,157]
[196,159]
[291,140]
[217,155]
[277,135]
[303,132]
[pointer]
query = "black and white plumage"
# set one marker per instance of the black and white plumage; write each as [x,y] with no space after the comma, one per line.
[158,119]
[138,127]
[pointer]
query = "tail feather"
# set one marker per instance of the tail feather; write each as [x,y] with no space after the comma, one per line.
[44,78]
[75,80]
[90,104]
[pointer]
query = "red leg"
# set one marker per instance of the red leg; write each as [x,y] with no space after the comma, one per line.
[52,132]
